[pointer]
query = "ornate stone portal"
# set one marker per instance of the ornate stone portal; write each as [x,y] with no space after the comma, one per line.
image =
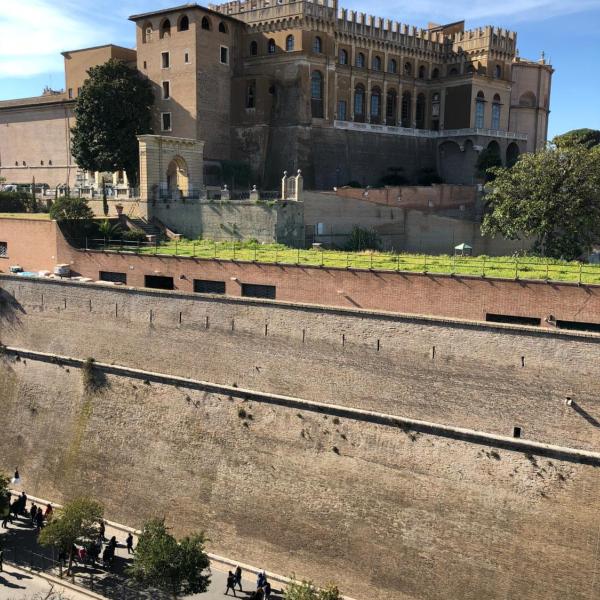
[170,167]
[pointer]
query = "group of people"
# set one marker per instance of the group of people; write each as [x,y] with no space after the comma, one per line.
[263,587]
[91,552]
[37,515]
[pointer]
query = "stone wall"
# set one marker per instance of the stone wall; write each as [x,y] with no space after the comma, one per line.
[388,513]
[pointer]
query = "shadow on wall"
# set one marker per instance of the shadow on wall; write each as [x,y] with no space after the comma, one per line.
[9,309]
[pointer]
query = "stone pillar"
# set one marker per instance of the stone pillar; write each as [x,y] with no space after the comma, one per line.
[284,188]
[299,186]
[254,194]
[225,194]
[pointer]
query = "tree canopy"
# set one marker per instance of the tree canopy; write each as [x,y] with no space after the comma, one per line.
[179,568]
[553,196]
[306,590]
[578,137]
[488,159]
[112,109]
[77,522]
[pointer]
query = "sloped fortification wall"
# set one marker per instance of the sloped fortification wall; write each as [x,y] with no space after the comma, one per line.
[394,515]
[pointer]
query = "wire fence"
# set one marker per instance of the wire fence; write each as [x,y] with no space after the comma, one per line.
[479,266]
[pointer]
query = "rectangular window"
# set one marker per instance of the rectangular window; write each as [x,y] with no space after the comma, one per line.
[145,65]
[513,320]
[572,325]
[224,55]
[113,276]
[479,114]
[166,60]
[166,121]
[252,290]
[496,116]
[186,57]
[159,282]
[70,93]
[205,286]
[251,95]
[166,90]
[342,110]
[4,249]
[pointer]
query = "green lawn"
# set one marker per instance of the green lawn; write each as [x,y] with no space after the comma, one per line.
[29,216]
[503,267]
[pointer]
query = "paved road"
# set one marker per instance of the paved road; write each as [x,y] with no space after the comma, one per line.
[16,584]
[21,537]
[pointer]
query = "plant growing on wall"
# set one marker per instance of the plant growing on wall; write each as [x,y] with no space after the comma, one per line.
[74,215]
[363,239]
[77,522]
[179,568]
[113,108]
[554,196]
[4,496]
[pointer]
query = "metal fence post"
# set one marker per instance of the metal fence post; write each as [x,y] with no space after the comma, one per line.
[516,268]
[298,260]
[580,273]
[483,269]
[398,263]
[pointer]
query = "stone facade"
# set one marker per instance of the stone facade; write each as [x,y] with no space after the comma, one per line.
[309,85]
[387,512]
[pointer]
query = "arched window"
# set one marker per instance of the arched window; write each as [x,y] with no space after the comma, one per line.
[420,116]
[376,66]
[318,45]
[271,47]
[253,48]
[147,33]
[406,109]
[316,94]
[222,27]
[184,23]
[496,111]
[343,58]
[498,72]
[360,60]
[435,74]
[165,29]
[480,110]
[512,154]
[422,72]
[407,68]
[528,99]
[289,43]
[470,68]
[453,72]
[206,24]
[375,105]
[391,107]
[393,66]
[359,103]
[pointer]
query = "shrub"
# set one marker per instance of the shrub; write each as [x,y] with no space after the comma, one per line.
[363,239]
[16,202]
[134,235]
[429,177]
[91,379]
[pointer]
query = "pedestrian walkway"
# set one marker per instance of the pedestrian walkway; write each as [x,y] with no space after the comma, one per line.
[17,584]
[20,544]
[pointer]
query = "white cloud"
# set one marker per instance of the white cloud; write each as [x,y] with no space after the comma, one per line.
[33,33]
[438,11]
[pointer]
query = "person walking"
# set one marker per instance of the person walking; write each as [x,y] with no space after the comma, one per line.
[102,531]
[230,584]
[33,513]
[267,590]
[48,512]
[1,560]
[238,577]
[39,520]
[129,543]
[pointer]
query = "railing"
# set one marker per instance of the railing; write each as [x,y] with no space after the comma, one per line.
[426,133]
[483,266]
[86,575]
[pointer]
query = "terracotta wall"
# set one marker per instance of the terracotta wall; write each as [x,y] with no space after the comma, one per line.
[437,295]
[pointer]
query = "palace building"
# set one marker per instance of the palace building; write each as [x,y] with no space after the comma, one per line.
[286,85]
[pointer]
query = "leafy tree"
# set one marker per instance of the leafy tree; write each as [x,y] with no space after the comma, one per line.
[74,216]
[113,108]
[363,239]
[487,160]
[554,196]
[77,522]
[18,202]
[306,590]
[163,562]
[578,137]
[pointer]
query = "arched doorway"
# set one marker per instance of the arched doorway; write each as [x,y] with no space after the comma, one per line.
[512,154]
[177,177]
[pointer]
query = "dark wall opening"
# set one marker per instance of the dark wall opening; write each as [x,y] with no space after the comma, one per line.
[513,320]
[159,282]
[205,286]
[252,290]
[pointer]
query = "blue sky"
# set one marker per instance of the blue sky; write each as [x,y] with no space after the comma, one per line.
[34,32]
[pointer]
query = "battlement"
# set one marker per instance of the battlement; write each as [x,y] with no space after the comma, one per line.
[489,38]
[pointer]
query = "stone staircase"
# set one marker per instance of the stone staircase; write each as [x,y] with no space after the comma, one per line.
[147,228]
